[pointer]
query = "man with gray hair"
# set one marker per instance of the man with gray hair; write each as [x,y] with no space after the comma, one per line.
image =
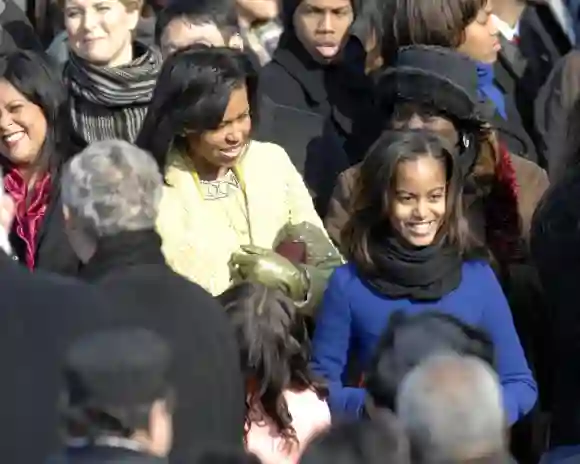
[451,407]
[111,192]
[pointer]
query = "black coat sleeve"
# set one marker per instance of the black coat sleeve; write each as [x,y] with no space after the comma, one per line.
[17,32]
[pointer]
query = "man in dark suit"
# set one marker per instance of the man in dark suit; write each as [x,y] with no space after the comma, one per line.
[40,315]
[111,194]
[532,42]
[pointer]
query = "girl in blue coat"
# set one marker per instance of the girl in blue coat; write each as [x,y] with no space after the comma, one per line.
[408,249]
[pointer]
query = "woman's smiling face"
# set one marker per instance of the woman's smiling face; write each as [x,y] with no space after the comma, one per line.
[23,126]
[418,200]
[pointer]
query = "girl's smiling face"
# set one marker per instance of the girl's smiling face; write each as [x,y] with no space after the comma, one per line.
[418,200]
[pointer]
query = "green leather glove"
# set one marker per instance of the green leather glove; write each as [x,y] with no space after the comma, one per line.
[269,268]
[320,250]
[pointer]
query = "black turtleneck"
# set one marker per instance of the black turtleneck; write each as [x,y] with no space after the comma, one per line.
[125,249]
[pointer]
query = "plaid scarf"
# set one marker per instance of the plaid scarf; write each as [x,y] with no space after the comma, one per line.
[262,39]
[31,207]
[111,103]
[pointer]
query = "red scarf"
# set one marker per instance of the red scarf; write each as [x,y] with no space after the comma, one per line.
[30,209]
[502,215]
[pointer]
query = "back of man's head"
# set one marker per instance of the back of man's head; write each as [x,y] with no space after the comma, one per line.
[451,407]
[219,13]
[409,339]
[361,442]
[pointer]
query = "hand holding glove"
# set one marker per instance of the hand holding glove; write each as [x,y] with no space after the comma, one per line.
[267,267]
[319,249]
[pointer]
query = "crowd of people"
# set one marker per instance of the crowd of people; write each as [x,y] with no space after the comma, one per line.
[290,232]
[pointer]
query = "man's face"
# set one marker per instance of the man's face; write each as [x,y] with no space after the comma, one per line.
[322,26]
[180,33]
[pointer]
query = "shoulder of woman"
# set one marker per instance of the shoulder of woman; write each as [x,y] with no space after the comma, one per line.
[266,154]
[476,269]
[528,173]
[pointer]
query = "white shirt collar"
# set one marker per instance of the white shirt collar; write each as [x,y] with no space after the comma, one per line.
[505,29]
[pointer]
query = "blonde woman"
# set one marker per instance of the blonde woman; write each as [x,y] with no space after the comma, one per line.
[110,77]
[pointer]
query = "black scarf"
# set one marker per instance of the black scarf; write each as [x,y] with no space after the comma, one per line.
[338,90]
[427,273]
[111,103]
[125,249]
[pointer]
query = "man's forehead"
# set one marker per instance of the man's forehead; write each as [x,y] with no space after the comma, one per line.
[185,31]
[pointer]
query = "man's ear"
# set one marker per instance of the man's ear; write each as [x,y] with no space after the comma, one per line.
[236,41]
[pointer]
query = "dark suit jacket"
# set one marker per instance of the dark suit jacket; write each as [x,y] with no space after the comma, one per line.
[40,315]
[522,69]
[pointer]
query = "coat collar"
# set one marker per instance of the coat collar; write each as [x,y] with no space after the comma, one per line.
[292,56]
[512,58]
[123,250]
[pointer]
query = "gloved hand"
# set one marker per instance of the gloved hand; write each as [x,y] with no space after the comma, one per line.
[269,268]
[320,251]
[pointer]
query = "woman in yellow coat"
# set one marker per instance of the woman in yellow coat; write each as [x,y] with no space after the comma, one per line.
[233,208]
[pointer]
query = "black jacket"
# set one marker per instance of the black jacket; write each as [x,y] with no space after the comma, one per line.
[520,72]
[104,455]
[130,269]
[313,112]
[40,315]
[509,70]
[53,250]
[17,33]
[555,246]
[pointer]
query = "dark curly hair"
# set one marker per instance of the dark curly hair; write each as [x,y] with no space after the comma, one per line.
[274,352]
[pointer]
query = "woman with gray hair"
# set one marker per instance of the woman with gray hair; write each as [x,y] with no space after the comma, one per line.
[111,192]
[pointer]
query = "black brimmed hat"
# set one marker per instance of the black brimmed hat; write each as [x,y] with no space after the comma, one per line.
[116,369]
[436,77]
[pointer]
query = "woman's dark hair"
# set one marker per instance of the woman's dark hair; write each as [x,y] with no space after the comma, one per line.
[420,22]
[409,339]
[274,351]
[192,93]
[34,77]
[369,21]
[360,442]
[376,179]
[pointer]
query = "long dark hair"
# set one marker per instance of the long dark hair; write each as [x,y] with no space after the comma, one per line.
[372,191]
[274,351]
[34,77]
[192,93]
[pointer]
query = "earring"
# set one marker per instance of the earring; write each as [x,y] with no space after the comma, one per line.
[466,141]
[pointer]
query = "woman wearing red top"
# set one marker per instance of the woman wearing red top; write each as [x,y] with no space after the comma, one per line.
[32,149]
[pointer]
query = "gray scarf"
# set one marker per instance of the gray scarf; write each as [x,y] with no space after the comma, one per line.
[111,103]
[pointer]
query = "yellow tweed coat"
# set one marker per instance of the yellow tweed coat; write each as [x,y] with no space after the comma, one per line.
[199,236]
